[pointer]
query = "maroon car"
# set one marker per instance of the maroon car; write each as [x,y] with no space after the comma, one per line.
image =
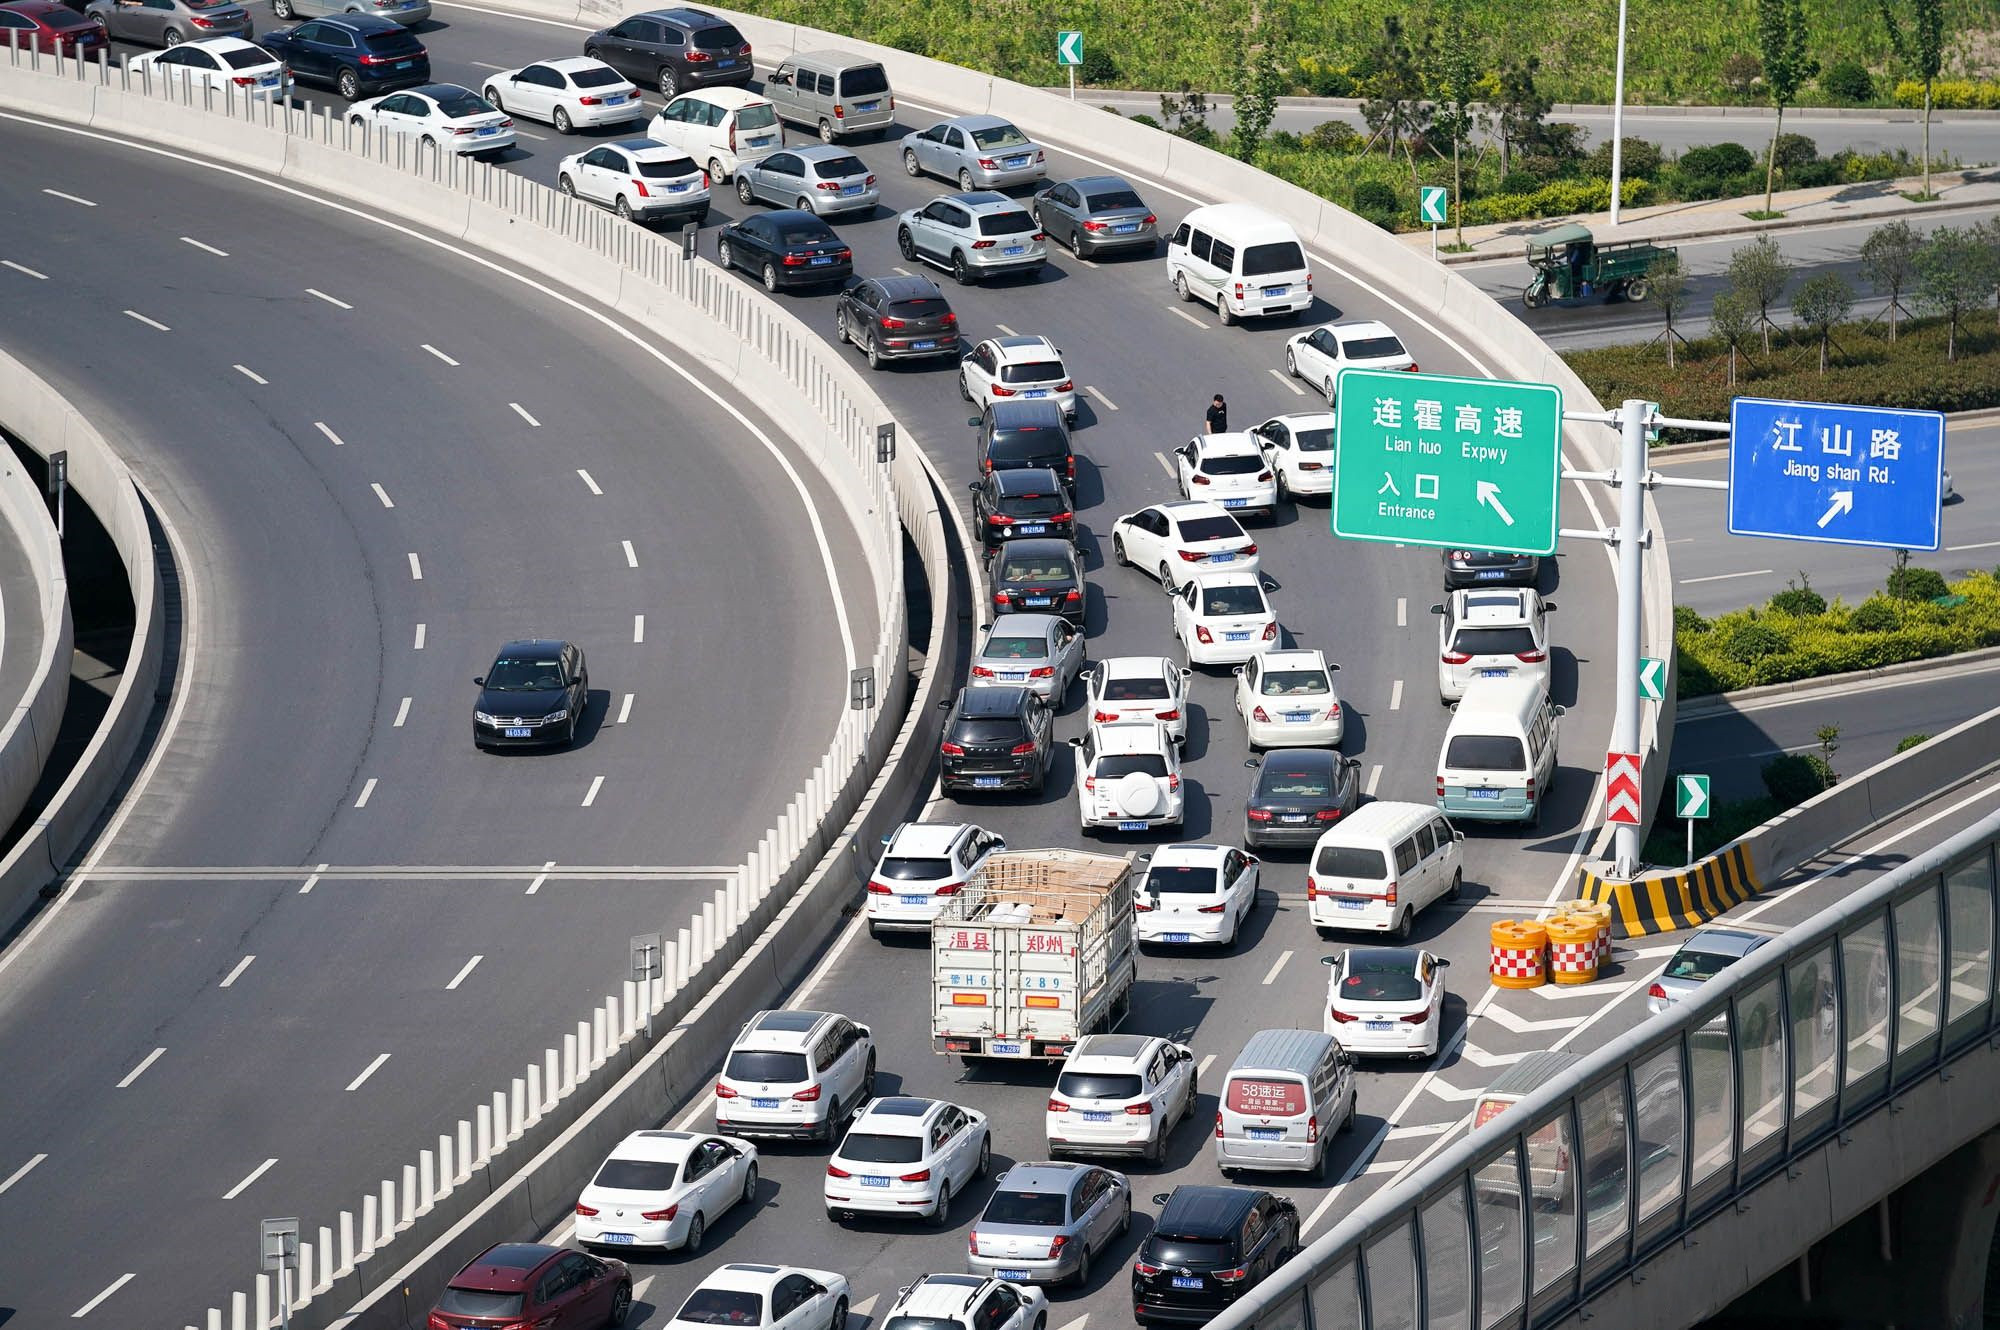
[518,1285]
[42,25]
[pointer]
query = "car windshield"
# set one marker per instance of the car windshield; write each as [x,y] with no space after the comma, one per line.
[1210,528]
[1313,440]
[1485,752]
[807,233]
[1034,568]
[208,4]
[1690,964]
[755,117]
[1190,1253]
[999,136]
[1494,641]
[636,1174]
[1380,980]
[1034,505]
[1031,371]
[927,307]
[863,81]
[1097,1085]
[1039,1208]
[1136,690]
[1005,223]
[923,1323]
[1003,730]
[1182,880]
[1110,199]
[1233,466]
[671,169]
[456,105]
[867,1147]
[1371,348]
[1285,256]
[1353,861]
[837,168]
[1295,683]
[62,20]
[1113,765]
[393,43]
[595,78]
[721,37]
[1232,600]
[478,1302]
[524,675]
[1281,782]
[900,868]
[242,59]
[722,1306]
[766,1066]
[1027,443]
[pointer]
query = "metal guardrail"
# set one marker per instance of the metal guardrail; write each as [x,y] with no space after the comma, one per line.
[1578,1185]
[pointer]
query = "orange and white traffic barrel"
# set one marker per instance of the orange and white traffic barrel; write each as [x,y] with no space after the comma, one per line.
[1572,948]
[1518,954]
[1601,912]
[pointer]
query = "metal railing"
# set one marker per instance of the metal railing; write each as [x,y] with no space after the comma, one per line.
[1579,1184]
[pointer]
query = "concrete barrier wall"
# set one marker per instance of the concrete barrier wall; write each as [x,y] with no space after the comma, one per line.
[29,730]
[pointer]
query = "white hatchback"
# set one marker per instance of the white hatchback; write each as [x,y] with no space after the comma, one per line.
[1120,1094]
[907,1156]
[664,1188]
[574,92]
[1195,895]
[1491,633]
[1319,355]
[1228,470]
[923,865]
[1139,688]
[1128,776]
[1386,1000]
[1225,618]
[1299,448]
[720,128]
[1287,699]
[1180,540]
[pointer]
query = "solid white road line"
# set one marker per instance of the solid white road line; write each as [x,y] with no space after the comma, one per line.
[638,628]
[463,971]
[1006,330]
[219,253]
[522,412]
[596,784]
[242,1186]
[1724,577]
[625,709]
[481,64]
[1165,465]
[24,270]
[440,355]
[1374,779]
[1174,309]
[904,271]
[366,1072]
[588,481]
[420,637]
[150,323]
[1102,400]
[1396,695]
[1286,379]
[530,134]
[20,1173]
[631,555]
[321,295]
[866,1305]
[137,1071]
[402,713]
[543,876]
[1201,1067]
[327,430]
[416,568]
[1982,545]
[250,374]
[237,973]
[1276,966]
[122,1280]
[71,198]
[366,790]
[382,494]
[1402,611]
[311,882]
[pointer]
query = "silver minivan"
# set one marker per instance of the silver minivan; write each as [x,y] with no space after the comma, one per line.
[835,93]
[1286,1095]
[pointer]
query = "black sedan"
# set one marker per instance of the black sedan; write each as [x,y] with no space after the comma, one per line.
[1017,505]
[532,697]
[1039,573]
[1298,793]
[785,248]
[1470,568]
[359,54]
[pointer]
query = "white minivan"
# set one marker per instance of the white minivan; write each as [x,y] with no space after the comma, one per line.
[1499,752]
[1380,866]
[1287,1093]
[1241,260]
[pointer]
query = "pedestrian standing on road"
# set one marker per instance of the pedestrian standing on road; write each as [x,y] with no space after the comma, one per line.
[1218,416]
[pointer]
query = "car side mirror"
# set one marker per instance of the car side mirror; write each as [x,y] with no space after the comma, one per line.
[1442,962]
[972,421]
[1333,666]
[1076,743]
[1329,960]
[1161,1197]
[1269,585]
[1146,857]
[944,704]
[1549,606]
[1250,762]
[479,681]
[1437,609]
[1560,711]
[1458,836]
[1187,672]
[1236,670]
[972,487]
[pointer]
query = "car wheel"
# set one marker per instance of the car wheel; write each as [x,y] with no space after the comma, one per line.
[1347,1123]
[910,166]
[964,180]
[1222,314]
[621,1306]
[1180,286]
[750,1185]
[805,204]
[1402,930]
[492,94]
[624,208]
[356,122]
[770,277]
[1075,242]
[942,1215]
[868,1079]
[697,1230]
[1326,387]
[963,390]
[173,38]
[1291,364]
[839,1321]
[986,1156]
[562,122]
[282,8]
[669,85]
[1155,1152]
[959,272]
[350,85]
[841,332]
[1118,552]
[569,735]
[906,246]
[1082,1276]
[1166,575]
[1284,490]
[743,194]
[1457,886]
[874,354]
[825,130]
[724,255]
[715,171]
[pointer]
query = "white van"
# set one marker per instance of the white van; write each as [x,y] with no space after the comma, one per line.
[1287,1093]
[833,93]
[1241,260]
[719,127]
[1499,752]
[1380,866]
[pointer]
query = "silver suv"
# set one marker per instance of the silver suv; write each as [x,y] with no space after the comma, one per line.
[800,1074]
[981,234]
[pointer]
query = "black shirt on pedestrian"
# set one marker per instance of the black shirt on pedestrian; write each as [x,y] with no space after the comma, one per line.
[1218,418]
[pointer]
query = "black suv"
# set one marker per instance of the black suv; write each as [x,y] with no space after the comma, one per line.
[1020,434]
[359,54]
[1470,568]
[1013,505]
[1210,1246]
[674,50]
[897,318]
[996,739]
[1039,574]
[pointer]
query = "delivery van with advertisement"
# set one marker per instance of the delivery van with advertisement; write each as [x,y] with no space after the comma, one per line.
[1287,1093]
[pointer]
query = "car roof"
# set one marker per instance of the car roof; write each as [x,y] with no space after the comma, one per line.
[1042,1177]
[1235,578]
[987,201]
[645,149]
[1086,182]
[1028,480]
[1250,224]
[1025,625]
[1205,1211]
[1040,545]
[1112,1047]
[820,152]
[694,18]
[1362,328]
[1725,941]
[941,1295]
[990,702]
[925,838]
[743,1277]
[1494,605]
[506,1267]
[899,287]
[1184,508]
[667,1147]
[1295,658]
[1024,345]
[980,121]
[782,1028]
[533,646]
[794,216]
[435,90]
[898,1115]
[569,64]
[1233,443]
[1189,852]
[1131,736]
[1386,958]
[732,98]
[364,24]
[1136,667]
[217,44]
[1301,759]
[1043,411]
[1307,419]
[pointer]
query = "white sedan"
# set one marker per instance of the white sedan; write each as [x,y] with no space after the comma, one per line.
[1286,699]
[1318,356]
[664,1188]
[1299,448]
[1225,618]
[226,65]
[1179,540]
[448,117]
[1386,1000]
[572,93]
[766,1297]
[1196,893]
[1139,688]
[1227,469]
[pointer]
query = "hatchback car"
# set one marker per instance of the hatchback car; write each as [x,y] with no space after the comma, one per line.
[1297,794]
[797,1074]
[1706,953]
[1318,356]
[786,248]
[996,739]
[1027,368]
[1299,450]
[169,22]
[1492,633]
[967,1302]
[1018,504]
[52,29]
[572,93]
[923,865]
[1040,652]
[357,54]
[722,128]
[1386,1000]
[1179,541]
[1287,698]
[1039,573]
[896,318]
[1210,1247]
[664,1188]
[977,151]
[1227,469]
[820,180]
[1018,433]
[225,65]
[1121,1094]
[1095,214]
[1139,688]
[1128,777]
[907,1156]
[534,694]
[972,236]
[1224,618]
[673,50]
[1195,894]
[1044,1223]
[530,1283]
[639,179]
[444,115]
[748,1296]
[1466,568]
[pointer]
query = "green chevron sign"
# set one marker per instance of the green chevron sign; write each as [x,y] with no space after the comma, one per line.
[1691,796]
[1069,48]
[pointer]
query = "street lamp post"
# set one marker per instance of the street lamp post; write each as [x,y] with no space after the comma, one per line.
[1618,118]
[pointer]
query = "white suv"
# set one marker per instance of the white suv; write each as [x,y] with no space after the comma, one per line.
[907,1156]
[1491,633]
[923,864]
[1227,469]
[1128,776]
[968,1302]
[1195,894]
[795,1073]
[1121,1094]
[1001,368]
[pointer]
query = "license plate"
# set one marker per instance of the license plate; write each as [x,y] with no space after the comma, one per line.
[1016,1276]
[518,732]
[1377,1027]
[986,782]
[926,345]
[1236,637]
[1096,1117]
[1295,716]
[618,100]
[763,1103]
[1017,161]
[1015,249]
[852,189]
[1492,575]
[1276,290]
[681,188]
[1222,558]
[1266,1134]
[1036,600]
[724,64]
[914,900]
[1482,794]
[1180,937]
[489,129]
[1005,1050]
[1125,230]
[616,1239]
[1034,392]
[1187,1281]
[404,64]
[822,260]
[1034,528]
[1293,817]
[866,106]
[1494,674]
[268,81]
[1235,503]
[1352,904]
[760,143]
[874,1182]
[1132,826]
[1014,676]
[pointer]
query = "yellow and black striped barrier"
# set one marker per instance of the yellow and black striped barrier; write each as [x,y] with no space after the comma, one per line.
[1667,902]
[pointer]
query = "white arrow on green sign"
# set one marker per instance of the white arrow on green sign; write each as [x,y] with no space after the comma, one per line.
[1691,796]
[1652,678]
[1431,204]
[1069,48]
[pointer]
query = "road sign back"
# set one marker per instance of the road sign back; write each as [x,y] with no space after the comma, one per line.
[1848,475]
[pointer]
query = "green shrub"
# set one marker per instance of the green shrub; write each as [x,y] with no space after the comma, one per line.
[1716,159]
[1641,157]
[1951,94]
[1558,198]
[1799,600]
[1794,151]
[1099,66]
[1848,81]
[1333,136]
[1148,121]
[1321,79]
[1376,200]
[1750,642]
[1687,619]
[1909,741]
[1915,583]
[1793,778]
[1875,615]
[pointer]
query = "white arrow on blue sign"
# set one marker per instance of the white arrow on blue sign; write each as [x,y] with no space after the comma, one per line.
[1431,204]
[1847,475]
[1069,48]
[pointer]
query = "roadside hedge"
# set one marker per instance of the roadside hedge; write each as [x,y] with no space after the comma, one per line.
[1951,94]
[1555,199]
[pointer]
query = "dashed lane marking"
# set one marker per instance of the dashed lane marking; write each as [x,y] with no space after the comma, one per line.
[463,971]
[24,270]
[625,709]
[381,494]
[20,1173]
[543,876]
[588,481]
[331,300]
[1102,400]
[140,1070]
[596,784]
[402,714]
[440,355]
[312,881]
[367,789]
[237,972]
[1724,577]
[122,1280]
[251,375]
[244,1185]
[1396,695]
[1286,379]
[1374,779]
[631,555]
[1276,966]
[638,628]
[78,199]
[209,249]
[327,430]
[1402,611]
[522,412]
[366,1072]
[420,637]
[416,567]
[1173,309]
[150,323]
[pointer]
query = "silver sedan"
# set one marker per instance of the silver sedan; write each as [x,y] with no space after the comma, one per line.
[821,179]
[1042,653]
[1706,953]
[978,151]
[1097,213]
[1044,1223]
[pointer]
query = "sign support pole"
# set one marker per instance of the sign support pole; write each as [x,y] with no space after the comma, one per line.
[1632,418]
[1434,242]
[1689,861]
[1072,82]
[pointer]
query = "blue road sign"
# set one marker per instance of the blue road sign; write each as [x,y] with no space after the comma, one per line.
[1847,475]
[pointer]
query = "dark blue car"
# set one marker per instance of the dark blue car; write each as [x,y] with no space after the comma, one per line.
[359,54]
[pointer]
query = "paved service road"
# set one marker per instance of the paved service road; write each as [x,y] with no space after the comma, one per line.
[326,412]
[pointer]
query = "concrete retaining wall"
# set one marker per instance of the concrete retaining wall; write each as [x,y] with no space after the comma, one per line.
[29,731]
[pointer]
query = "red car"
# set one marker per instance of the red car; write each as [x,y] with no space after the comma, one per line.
[530,1286]
[50,28]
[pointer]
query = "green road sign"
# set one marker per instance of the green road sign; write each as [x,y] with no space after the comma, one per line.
[1691,796]
[1431,204]
[1652,678]
[1429,459]
[1069,48]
